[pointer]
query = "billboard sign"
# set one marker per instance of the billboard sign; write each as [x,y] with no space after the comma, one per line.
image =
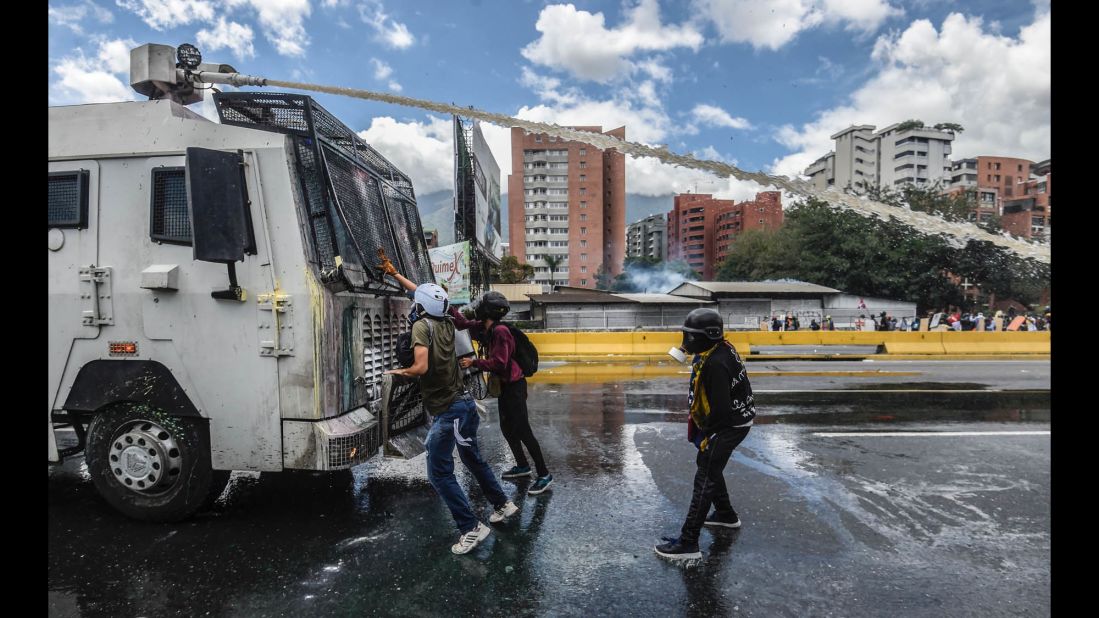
[451,266]
[487,194]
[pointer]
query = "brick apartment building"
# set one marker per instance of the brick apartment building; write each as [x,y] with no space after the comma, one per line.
[567,199]
[701,229]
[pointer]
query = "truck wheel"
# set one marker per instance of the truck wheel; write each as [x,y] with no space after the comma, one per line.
[149,465]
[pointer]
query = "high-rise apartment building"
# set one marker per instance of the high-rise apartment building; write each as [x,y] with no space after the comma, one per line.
[892,157]
[567,202]
[648,238]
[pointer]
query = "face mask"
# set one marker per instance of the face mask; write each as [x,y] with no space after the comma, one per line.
[414,314]
[695,343]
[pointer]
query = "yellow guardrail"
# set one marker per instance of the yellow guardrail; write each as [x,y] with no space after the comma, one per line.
[657,343]
[594,372]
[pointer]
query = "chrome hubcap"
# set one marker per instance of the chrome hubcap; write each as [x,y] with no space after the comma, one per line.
[145,458]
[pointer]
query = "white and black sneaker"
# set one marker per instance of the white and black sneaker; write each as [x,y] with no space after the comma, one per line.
[470,539]
[503,512]
[726,520]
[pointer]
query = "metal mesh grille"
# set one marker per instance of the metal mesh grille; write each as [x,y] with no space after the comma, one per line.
[410,236]
[287,113]
[316,204]
[358,196]
[348,451]
[379,354]
[340,136]
[333,131]
[409,412]
[406,408]
[67,199]
[171,221]
[356,172]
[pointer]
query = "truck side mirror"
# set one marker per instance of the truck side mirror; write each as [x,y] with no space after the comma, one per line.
[221,222]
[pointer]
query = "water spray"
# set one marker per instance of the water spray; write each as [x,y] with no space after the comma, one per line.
[154,74]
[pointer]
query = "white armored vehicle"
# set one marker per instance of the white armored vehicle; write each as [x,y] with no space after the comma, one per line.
[213,298]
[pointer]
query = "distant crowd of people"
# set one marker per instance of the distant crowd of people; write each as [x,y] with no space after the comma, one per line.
[953,318]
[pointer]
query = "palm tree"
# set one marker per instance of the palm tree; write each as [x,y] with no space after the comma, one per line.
[553,261]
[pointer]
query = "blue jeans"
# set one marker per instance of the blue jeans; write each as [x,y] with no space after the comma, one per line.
[458,425]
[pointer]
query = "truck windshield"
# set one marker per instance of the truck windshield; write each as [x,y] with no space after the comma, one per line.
[356,201]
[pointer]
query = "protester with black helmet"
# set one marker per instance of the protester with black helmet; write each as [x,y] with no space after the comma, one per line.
[507,382]
[722,410]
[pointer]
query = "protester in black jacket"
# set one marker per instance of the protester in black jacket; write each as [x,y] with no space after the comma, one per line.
[722,410]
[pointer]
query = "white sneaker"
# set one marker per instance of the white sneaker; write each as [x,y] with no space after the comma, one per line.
[470,539]
[503,512]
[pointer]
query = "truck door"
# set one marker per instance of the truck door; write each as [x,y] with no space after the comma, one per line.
[80,301]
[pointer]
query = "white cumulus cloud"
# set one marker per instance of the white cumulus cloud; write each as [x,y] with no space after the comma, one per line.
[773,24]
[389,31]
[230,35]
[167,14]
[72,16]
[997,87]
[283,23]
[381,69]
[652,177]
[580,43]
[422,149]
[716,117]
[96,79]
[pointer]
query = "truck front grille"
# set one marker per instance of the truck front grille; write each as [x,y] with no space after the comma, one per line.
[352,450]
[404,408]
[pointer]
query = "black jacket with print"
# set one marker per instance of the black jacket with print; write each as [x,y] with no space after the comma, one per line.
[727,389]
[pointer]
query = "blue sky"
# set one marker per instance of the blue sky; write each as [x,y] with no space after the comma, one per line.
[758,84]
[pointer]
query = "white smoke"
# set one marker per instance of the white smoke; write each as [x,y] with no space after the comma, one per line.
[650,280]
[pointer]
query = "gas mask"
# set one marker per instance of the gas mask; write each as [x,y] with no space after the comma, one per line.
[697,343]
[415,314]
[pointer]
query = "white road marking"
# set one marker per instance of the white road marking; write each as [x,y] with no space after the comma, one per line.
[936,434]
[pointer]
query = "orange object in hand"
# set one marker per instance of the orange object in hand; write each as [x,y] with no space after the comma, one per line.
[385,266]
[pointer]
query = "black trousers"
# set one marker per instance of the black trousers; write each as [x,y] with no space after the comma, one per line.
[709,487]
[516,426]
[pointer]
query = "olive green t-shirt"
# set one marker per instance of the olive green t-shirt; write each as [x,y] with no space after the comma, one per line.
[442,383]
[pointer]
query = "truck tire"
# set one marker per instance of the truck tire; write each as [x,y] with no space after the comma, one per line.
[149,465]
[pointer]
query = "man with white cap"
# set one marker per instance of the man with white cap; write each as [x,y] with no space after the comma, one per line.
[455,415]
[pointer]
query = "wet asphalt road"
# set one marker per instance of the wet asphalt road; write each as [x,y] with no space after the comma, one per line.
[843,526]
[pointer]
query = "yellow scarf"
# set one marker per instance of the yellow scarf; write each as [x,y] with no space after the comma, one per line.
[698,403]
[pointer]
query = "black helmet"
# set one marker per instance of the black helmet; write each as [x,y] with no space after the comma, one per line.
[492,306]
[701,329]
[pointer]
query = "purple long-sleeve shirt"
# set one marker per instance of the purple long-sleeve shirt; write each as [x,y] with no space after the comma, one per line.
[501,346]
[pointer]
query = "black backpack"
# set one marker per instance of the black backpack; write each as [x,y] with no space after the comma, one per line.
[526,355]
[405,357]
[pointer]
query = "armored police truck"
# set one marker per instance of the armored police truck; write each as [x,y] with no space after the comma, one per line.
[213,298]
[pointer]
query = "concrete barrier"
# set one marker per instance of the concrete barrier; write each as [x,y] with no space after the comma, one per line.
[657,343]
[923,342]
[996,343]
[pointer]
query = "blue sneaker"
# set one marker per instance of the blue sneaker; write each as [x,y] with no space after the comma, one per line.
[541,484]
[728,520]
[676,549]
[516,472]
